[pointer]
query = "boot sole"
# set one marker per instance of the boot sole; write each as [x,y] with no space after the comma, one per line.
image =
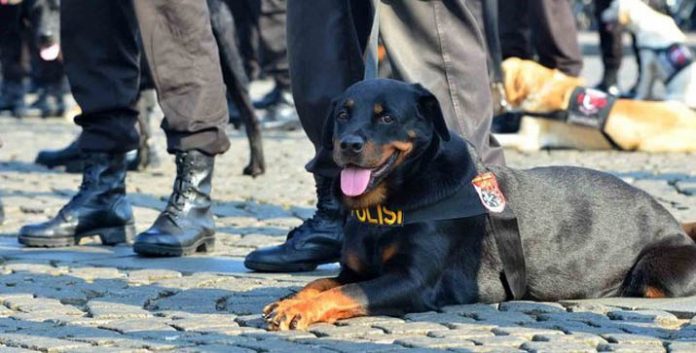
[108,236]
[203,245]
[266,267]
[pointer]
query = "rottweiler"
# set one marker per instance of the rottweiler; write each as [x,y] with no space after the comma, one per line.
[431,226]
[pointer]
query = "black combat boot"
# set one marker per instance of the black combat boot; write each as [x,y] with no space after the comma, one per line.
[317,241]
[186,225]
[51,100]
[70,157]
[99,208]
[12,98]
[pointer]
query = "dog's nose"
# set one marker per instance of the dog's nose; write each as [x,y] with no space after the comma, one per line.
[352,144]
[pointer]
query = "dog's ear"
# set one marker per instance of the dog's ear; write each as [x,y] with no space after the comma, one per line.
[429,107]
[328,129]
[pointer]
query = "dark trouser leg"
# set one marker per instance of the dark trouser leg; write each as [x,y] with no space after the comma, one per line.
[12,92]
[513,24]
[100,49]
[325,43]
[273,43]
[185,65]
[440,31]
[101,60]
[610,44]
[555,36]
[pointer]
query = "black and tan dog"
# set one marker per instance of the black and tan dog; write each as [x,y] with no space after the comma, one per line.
[431,226]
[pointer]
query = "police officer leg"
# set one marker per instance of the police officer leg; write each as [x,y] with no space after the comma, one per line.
[451,62]
[184,60]
[101,55]
[326,39]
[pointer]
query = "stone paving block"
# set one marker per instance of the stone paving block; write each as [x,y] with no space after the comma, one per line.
[524,332]
[195,300]
[554,347]
[203,323]
[39,343]
[150,344]
[589,307]
[100,309]
[576,337]
[632,339]
[89,274]
[486,349]
[499,341]
[140,326]
[151,275]
[681,347]
[462,333]
[353,346]
[35,268]
[332,331]
[532,308]
[658,316]
[470,309]
[5,349]
[446,319]
[370,321]
[409,327]
[503,318]
[433,342]
[474,326]
[102,349]
[215,349]
[631,348]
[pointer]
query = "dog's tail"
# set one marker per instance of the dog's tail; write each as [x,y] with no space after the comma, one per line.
[690,229]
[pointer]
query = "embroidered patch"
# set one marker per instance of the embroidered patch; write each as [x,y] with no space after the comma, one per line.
[379,215]
[589,107]
[492,198]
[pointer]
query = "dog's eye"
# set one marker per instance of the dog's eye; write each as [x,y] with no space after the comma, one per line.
[386,119]
[342,116]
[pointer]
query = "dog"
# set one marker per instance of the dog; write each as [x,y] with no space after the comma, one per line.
[630,125]
[663,55]
[431,226]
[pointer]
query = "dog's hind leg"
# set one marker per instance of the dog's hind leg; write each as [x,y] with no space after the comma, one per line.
[665,270]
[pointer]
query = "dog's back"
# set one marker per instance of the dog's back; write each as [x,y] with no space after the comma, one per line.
[576,223]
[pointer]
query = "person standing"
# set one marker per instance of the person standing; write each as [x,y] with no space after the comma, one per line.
[439,44]
[100,47]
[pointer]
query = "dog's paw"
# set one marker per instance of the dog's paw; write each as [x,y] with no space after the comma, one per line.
[254,169]
[289,314]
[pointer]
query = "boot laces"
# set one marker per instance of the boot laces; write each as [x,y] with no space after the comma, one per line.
[89,179]
[323,212]
[182,185]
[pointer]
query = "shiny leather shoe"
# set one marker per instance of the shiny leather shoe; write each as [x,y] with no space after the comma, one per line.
[317,241]
[186,225]
[99,208]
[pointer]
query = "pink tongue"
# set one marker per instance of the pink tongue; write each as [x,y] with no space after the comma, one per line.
[354,181]
[50,53]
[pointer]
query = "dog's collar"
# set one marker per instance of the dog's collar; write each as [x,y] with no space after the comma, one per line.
[462,204]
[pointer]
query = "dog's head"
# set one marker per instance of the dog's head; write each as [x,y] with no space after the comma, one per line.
[618,12]
[535,88]
[44,16]
[376,129]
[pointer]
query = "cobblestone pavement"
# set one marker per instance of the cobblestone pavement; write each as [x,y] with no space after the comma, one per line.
[101,299]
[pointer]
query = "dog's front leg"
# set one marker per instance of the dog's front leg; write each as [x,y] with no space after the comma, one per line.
[647,74]
[342,302]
